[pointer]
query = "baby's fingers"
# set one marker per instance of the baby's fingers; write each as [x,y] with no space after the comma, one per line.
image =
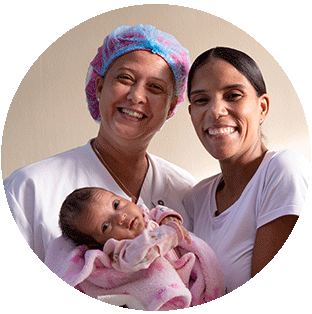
[186,235]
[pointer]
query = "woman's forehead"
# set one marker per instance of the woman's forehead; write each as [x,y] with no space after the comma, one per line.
[145,62]
[218,72]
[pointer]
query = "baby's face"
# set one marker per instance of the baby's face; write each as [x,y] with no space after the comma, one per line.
[110,216]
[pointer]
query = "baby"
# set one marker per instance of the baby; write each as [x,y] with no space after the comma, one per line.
[119,248]
[93,216]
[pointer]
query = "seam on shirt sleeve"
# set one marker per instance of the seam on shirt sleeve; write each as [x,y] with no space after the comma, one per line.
[277,213]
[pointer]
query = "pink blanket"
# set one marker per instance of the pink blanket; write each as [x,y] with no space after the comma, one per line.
[193,279]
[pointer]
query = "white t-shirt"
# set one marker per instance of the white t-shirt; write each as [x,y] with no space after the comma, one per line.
[278,188]
[36,192]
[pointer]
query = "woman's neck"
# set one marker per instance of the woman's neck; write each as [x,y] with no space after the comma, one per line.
[235,176]
[123,152]
[127,165]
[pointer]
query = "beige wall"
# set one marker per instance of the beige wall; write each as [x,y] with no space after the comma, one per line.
[49,114]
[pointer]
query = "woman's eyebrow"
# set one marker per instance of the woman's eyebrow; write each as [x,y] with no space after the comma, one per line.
[235,86]
[125,68]
[198,91]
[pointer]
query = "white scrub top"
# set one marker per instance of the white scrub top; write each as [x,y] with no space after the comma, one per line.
[36,192]
[278,188]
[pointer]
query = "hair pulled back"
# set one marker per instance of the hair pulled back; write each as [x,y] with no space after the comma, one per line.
[238,59]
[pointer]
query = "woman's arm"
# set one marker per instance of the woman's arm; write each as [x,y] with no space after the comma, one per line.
[269,240]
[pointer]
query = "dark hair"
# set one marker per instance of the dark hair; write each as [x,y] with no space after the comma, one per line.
[72,207]
[238,59]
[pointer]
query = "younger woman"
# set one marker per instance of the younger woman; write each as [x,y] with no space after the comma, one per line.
[246,212]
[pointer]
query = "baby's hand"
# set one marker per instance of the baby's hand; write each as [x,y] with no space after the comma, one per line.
[179,222]
[186,235]
[171,218]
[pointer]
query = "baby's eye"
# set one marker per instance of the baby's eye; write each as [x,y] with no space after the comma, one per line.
[115,204]
[105,226]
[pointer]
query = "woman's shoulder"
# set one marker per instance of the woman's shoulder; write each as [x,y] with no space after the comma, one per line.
[202,187]
[281,185]
[287,160]
[285,172]
[49,166]
[171,170]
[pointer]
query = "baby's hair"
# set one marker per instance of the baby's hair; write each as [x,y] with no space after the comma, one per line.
[74,204]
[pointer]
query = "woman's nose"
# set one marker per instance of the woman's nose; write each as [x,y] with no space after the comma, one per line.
[217,109]
[137,94]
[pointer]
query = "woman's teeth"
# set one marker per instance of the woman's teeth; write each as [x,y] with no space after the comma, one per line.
[131,113]
[221,131]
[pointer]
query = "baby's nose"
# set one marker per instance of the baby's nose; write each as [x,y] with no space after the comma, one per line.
[122,218]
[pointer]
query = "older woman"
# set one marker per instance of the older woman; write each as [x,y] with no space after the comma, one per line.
[246,212]
[133,86]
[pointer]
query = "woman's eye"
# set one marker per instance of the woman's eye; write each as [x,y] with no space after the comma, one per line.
[234,96]
[156,88]
[105,226]
[115,204]
[124,78]
[200,101]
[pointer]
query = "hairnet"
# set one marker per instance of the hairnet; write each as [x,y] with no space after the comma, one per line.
[125,39]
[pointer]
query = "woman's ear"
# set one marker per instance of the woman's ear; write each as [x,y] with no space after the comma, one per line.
[172,107]
[264,107]
[99,86]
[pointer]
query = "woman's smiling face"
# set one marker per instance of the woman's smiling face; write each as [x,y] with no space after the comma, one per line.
[136,96]
[226,110]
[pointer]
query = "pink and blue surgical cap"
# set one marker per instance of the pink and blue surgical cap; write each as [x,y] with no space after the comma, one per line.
[125,39]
